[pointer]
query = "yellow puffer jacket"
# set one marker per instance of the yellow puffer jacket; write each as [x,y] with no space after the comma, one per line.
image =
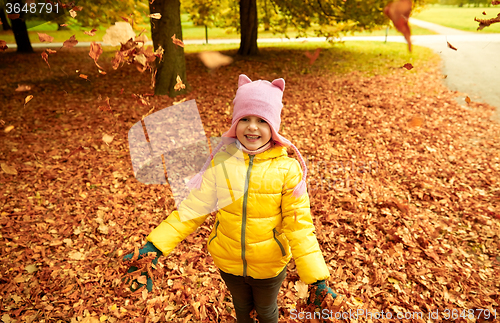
[257,232]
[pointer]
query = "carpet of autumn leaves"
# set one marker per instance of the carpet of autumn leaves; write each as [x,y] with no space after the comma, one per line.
[403,180]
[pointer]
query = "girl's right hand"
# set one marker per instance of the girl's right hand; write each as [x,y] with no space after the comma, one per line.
[148,248]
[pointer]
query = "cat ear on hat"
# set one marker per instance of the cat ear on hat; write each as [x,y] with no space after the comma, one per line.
[243,79]
[279,83]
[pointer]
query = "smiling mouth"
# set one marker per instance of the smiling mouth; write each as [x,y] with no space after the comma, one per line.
[252,137]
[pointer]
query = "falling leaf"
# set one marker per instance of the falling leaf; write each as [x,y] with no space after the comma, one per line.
[102,72]
[31,268]
[8,169]
[45,57]
[90,33]
[13,16]
[408,66]
[76,255]
[107,138]
[124,18]
[95,51]
[451,46]
[45,38]
[3,45]
[467,99]
[301,288]
[50,51]
[8,129]
[416,122]
[484,13]
[313,57]
[177,42]
[155,15]
[63,25]
[72,13]
[21,88]
[214,60]
[399,12]
[83,76]
[28,99]
[179,85]
[71,42]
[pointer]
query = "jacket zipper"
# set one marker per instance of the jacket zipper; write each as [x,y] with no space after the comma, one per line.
[283,253]
[244,215]
[216,226]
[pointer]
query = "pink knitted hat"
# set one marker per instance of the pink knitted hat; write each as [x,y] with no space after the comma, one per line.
[262,99]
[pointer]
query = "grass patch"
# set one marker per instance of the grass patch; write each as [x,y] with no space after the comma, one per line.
[459,18]
[368,58]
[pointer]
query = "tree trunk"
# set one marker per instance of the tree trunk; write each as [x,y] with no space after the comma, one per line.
[173,63]
[21,32]
[248,24]
[5,22]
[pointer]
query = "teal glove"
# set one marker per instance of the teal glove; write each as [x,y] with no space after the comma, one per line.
[320,296]
[148,247]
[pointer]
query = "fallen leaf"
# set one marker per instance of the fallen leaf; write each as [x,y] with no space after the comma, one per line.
[179,85]
[142,279]
[451,46]
[214,60]
[76,255]
[8,129]
[45,38]
[83,76]
[408,66]
[31,268]
[107,138]
[8,169]
[399,12]
[416,122]
[21,88]
[71,42]
[313,57]
[50,51]
[28,99]
[177,42]
[302,289]
[155,15]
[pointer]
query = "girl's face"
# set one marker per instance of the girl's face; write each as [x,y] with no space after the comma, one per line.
[253,132]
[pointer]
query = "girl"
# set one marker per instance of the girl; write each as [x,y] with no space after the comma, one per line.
[254,237]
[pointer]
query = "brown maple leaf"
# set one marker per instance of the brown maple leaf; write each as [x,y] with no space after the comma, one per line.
[3,45]
[408,66]
[399,12]
[45,38]
[95,51]
[177,42]
[313,57]
[90,33]
[71,42]
[179,85]
[45,57]
[451,46]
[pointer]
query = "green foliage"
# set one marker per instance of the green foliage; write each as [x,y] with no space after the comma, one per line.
[105,12]
[320,17]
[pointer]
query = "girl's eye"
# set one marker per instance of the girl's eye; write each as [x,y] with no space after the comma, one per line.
[262,120]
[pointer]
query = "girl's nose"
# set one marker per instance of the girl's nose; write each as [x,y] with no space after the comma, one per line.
[252,126]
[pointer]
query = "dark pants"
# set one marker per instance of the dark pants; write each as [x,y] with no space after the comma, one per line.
[249,293]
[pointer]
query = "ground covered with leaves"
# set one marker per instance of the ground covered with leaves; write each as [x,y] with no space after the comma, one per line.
[403,181]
